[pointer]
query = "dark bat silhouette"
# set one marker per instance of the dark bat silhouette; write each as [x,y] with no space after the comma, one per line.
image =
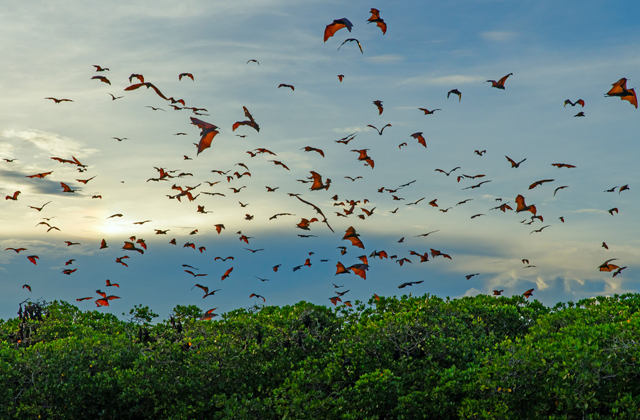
[285,85]
[147,85]
[56,100]
[381,130]
[455,92]
[181,75]
[513,163]
[409,283]
[542,181]
[578,102]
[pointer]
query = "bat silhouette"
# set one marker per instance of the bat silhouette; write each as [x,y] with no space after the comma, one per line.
[84,298]
[347,139]
[580,114]
[542,181]
[226,274]
[409,283]
[498,292]
[208,315]
[353,179]
[418,136]
[181,75]
[455,92]
[13,197]
[335,26]
[99,68]
[623,188]
[427,112]
[130,246]
[559,188]
[340,77]
[59,100]
[445,172]
[317,182]
[207,133]
[480,152]
[194,275]
[113,98]
[528,293]
[364,157]
[285,85]
[335,300]
[381,130]
[66,188]
[612,210]
[375,18]
[521,206]
[69,243]
[254,61]
[105,300]
[257,296]
[102,79]
[17,250]
[40,175]
[147,85]
[277,162]
[33,259]
[619,89]
[578,102]
[379,105]
[351,40]
[109,284]
[206,290]
[513,163]
[223,259]
[539,230]
[84,181]
[500,83]
[477,185]
[562,165]
[468,276]
[41,207]
[26,286]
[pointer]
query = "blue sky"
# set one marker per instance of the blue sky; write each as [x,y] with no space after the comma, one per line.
[555,52]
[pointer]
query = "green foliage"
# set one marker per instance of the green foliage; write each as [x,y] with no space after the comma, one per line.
[408,358]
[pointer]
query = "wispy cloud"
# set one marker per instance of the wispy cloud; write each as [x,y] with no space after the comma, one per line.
[498,36]
[51,143]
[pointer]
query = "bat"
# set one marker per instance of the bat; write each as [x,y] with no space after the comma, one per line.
[562,165]
[500,83]
[17,250]
[619,89]
[379,105]
[285,85]
[559,188]
[427,112]
[375,18]
[254,61]
[147,85]
[105,300]
[447,173]
[498,292]
[409,283]
[480,152]
[335,26]
[477,185]
[257,296]
[528,293]
[194,275]
[13,197]
[102,79]
[580,114]
[69,243]
[619,270]
[521,206]
[418,136]
[189,75]
[542,181]
[340,77]
[109,284]
[68,271]
[607,266]
[317,182]
[612,210]
[468,276]
[381,130]
[254,250]
[66,188]
[623,188]
[578,102]
[41,207]
[84,181]
[226,274]
[84,298]
[98,68]
[351,40]
[513,163]
[539,230]
[155,109]
[113,98]
[317,209]
[59,100]
[277,162]
[208,315]
[353,179]
[40,175]
[130,246]
[209,131]
[33,259]
[353,237]
[26,286]
[335,300]
[455,92]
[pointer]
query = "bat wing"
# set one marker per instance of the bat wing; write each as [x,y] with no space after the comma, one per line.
[335,26]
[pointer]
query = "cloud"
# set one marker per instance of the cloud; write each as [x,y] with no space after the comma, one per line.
[498,36]
[53,144]
[455,79]
[386,58]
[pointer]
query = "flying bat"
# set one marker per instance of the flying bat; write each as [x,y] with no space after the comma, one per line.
[447,173]
[335,26]
[427,112]
[500,83]
[562,165]
[379,105]
[40,175]
[513,163]
[189,75]
[381,130]
[542,181]
[102,79]
[578,102]
[409,283]
[620,90]
[13,197]
[257,296]
[455,92]
[41,207]
[59,100]
[147,85]
[209,131]
[375,18]
[285,85]
[353,237]
[528,293]
[539,230]
[418,136]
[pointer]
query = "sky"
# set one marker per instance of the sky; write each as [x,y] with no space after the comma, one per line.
[554,52]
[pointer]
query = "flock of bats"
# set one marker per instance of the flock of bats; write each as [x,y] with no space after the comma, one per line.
[348,208]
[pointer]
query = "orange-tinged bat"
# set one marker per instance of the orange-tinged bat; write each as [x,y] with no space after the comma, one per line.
[379,105]
[375,18]
[84,298]
[317,182]
[40,175]
[226,273]
[335,26]
[181,75]
[68,271]
[59,100]
[285,85]
[26,286]
[528,293]
[109,284]
[521,206]
[562,165]
[102,79]
[209,131]
[33,258]
[105,301]
[335,300]
[620,90]
[359,270]
[542,181]
[208,315]
[17,250]
[353,237]
[13,197]
[455,92]
[41,207]
[130,246]
[257,296]
[500,83]
[103,244]
[578,102]
[148,85]
[66,188]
